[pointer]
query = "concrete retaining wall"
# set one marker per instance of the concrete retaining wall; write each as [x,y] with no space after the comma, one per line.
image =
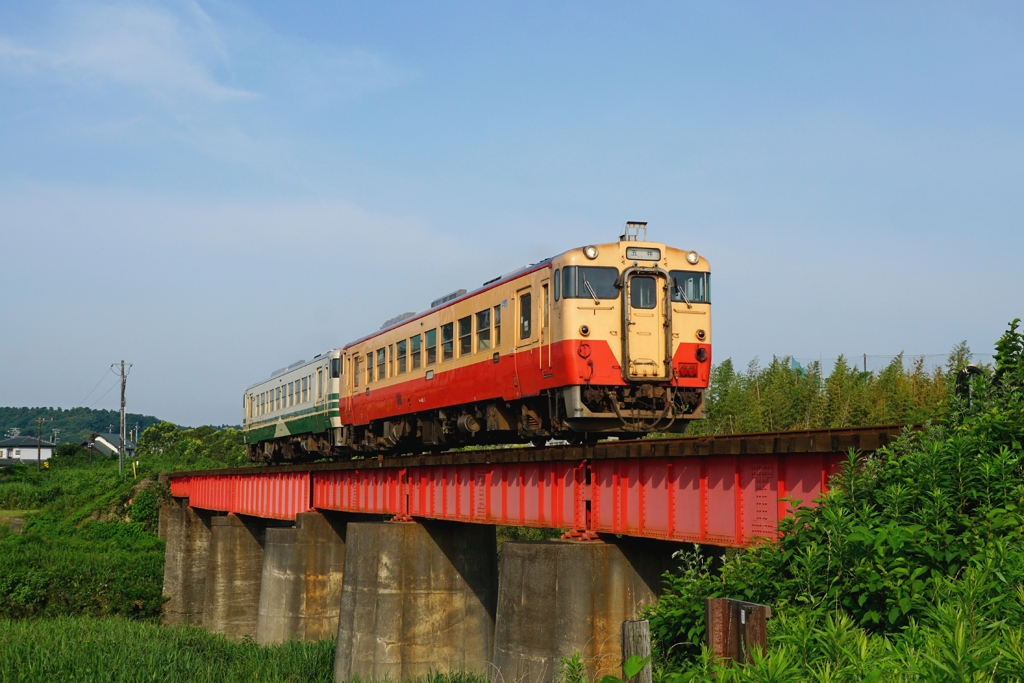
[187,532]
[300,589]
[561,597]
[233,576]
[416,597]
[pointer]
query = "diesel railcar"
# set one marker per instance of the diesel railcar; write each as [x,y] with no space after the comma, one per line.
[606,339]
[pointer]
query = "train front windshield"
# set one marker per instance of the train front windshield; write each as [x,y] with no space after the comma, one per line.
[690,286]
[589,282]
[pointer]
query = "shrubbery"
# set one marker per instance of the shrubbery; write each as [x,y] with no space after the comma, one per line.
[785,396]
[912,569]
[89,545]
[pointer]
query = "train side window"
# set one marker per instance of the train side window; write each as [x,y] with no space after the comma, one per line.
[335,368]
[525,316]
[447,342]
[465,336]
[558,283]
[569,282]
[483,330]
[414,351]
[358,370]
[305,389]
[497,327]
[319,383]
[291,394]
[431,346]
[369,367]
[381,360]
[263,403]
[391,360]
[277,398]
[401,346]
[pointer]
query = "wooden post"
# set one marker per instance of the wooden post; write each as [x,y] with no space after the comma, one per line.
[636,641]
[734,629]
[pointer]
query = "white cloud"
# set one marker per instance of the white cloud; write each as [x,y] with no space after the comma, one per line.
[178,51]
[144,46]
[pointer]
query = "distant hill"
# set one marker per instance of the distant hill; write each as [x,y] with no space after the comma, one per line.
[75,424]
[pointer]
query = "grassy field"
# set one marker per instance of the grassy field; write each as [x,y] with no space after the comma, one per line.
[114,650]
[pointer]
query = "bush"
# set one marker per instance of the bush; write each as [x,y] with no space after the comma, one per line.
[914,562]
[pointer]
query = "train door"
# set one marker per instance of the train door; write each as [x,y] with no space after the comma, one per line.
[544,312]
[527,342]
[644,317]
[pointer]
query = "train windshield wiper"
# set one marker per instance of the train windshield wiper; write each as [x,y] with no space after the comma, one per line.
[590,289]
[685,300]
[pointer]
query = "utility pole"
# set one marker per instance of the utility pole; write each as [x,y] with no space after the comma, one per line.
[39,441]
[124,377]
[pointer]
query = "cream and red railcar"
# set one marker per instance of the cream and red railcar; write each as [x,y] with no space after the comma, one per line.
[607,339]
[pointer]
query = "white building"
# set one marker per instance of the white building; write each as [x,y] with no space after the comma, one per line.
[25,448]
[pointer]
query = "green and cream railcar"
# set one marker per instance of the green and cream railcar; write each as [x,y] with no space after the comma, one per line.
[294,414]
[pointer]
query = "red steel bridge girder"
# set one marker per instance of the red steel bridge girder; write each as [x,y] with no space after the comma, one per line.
[724,500]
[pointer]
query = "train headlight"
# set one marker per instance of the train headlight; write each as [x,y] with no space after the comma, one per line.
[590,252]
[692,257]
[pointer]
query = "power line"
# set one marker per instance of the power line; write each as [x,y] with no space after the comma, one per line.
[82,402]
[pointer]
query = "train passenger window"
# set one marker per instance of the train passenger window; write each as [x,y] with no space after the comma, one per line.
[558,283]
[589,282]
[401,346]
[369,367]
[391,360]
[358,370]
[447,342]
[497,327]
[319,383]
[693,286]
[380,364]
[276,394]
[291,394]
[643,292]
[483,330]
[525,316]
[305,389]
[431,346]
[414,351]
[465,336]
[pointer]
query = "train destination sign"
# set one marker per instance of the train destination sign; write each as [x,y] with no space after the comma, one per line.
[643,254]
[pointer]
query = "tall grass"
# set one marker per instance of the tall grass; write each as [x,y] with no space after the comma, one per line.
[116,650]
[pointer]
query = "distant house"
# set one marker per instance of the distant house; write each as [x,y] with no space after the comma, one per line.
[25,448]
[108,444]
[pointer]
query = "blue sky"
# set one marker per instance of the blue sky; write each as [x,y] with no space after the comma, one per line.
[212,190]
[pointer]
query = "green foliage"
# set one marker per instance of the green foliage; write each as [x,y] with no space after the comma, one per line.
[785,396]
[118,650]
[75,424]
[89,544]
[912,569]
[572,669]
[167,447]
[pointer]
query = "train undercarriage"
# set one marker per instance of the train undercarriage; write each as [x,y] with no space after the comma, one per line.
[577,414]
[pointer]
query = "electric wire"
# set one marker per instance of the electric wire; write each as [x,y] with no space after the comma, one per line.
[82,402]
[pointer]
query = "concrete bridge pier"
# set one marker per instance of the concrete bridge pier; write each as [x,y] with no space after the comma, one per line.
[187,532]
[234,572]
[560,597]
[300,588]
[416,597]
